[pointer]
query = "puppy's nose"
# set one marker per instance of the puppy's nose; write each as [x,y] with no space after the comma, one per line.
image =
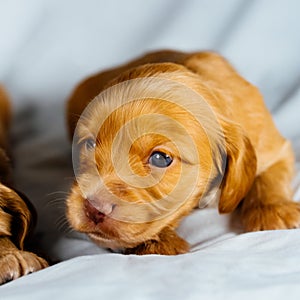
[97,211]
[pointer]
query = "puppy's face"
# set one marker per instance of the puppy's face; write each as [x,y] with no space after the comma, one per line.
[140,166]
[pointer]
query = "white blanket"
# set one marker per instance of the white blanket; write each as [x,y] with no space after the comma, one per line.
[47,46]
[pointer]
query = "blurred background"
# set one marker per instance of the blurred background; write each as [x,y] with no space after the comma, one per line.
[48,46]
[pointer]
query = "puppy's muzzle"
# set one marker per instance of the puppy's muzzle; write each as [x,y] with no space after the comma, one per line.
[97,209]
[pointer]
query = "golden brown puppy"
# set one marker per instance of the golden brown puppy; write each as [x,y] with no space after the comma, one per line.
[16,214]
[168,132]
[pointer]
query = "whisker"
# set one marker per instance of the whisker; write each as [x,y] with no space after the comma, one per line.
[63,224]
[56,201]
[57,192]
[60,206]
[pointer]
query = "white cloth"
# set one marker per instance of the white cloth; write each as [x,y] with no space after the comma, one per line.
[47,46]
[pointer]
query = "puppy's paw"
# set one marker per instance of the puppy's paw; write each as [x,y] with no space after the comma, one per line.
[14,264]
[279,215]
[168,243]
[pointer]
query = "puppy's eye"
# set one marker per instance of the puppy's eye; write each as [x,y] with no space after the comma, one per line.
[90,144]
[160,159]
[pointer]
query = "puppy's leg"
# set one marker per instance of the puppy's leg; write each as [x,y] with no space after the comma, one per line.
[16,223]
[167,243]
[269,203]
[15,263]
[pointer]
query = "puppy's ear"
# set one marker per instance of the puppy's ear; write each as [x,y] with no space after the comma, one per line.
[240,167]
[19,215]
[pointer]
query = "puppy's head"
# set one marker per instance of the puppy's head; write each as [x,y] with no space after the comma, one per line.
[145,152]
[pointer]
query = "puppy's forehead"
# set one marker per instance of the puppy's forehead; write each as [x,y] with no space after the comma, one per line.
[141,116]
[149,104]
[142,125]
[124,93]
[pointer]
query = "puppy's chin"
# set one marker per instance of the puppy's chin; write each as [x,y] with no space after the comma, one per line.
[100,239]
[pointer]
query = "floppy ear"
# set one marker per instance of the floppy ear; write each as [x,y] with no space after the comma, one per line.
[240,167]
[18,214]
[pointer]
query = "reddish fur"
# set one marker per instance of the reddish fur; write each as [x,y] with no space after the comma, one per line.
[16,214]
[259,164]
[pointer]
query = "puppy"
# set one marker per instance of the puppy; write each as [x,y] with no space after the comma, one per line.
[16,214]
[156,138]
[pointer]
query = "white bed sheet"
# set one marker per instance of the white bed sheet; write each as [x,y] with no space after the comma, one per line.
[46,46]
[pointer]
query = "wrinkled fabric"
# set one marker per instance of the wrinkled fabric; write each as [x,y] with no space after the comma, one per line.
[47,46]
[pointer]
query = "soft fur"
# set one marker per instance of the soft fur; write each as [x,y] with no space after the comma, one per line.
[16,213]
[226,147]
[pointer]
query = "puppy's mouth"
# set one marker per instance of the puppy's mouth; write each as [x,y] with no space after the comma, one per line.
[105,230]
